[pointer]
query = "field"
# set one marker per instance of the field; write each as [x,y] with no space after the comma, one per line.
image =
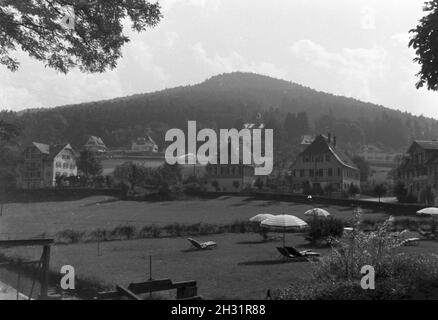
[33,219]
[241,267]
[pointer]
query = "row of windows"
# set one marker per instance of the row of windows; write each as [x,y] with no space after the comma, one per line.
[64,174]
[316,173]
[65,157]
[33,175]
[225,170]
[317,158]
[419,172]
[65,165]
[330,172]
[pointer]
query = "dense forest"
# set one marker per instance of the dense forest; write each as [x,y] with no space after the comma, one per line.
[227,101]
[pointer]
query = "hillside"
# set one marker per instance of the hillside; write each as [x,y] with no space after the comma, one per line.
[226,101]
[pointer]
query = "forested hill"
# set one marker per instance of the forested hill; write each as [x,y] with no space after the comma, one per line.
[226,101]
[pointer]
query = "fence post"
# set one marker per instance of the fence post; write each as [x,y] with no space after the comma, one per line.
[45,273]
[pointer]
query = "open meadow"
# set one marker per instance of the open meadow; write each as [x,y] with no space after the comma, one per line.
[241,267]
[20,220]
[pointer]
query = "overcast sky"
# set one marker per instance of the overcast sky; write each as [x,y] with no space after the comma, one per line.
[353,48]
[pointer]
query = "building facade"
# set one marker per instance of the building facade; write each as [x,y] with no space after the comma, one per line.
[230,178]
[322,164]
[42,164]
[378,157]
[418,170]
[96,145]
[145,144]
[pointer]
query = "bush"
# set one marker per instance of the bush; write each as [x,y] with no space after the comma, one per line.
[323,229]
[398,275]
[126,232]
[70,236]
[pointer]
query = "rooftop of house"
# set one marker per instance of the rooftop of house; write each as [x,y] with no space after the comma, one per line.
[324,143]
[425,144]
[95,141]
[51,150]
[144,140]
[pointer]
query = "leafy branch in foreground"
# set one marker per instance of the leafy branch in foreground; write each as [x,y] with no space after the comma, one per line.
[92,41]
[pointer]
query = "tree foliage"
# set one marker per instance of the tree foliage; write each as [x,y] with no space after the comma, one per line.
[89,164]
[363,166]
[71,33]
[424,43]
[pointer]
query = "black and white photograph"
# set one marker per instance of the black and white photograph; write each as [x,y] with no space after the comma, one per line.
[245,152]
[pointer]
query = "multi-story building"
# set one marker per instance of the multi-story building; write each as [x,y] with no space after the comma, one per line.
[378,157]
[418,170]
[42,163]
[145,144]
[96,145]
[322,164]
[230,177]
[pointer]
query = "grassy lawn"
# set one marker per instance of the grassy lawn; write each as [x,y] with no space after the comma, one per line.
[239,268]
[23,220]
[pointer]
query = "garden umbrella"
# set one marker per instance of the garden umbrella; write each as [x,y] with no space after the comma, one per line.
[316,212]
[433,212]
[261,217]
[283,223]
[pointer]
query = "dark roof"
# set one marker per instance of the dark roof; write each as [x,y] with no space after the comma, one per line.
[51,150]
[425,144]
[42,147]
[321,144]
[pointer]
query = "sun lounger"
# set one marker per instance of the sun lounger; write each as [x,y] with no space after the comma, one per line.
[305,253]
[304,256]
[428,235]
[202,245]
[410,242]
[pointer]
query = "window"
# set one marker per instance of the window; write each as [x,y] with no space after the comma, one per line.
[330,172]
[311,173]
[321,172]
[339,172]
[327,157]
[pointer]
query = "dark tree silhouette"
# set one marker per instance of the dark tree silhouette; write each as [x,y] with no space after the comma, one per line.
[424,44]
[89,164]
[71,33]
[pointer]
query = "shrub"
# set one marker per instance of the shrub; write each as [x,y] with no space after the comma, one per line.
[322,229]
[126,232]
[398,275]
[99,235]
[70,236]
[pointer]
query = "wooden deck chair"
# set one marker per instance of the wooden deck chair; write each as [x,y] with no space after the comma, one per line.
[287,256]
[202,245]
[410,242]
[427,235]
[305,253]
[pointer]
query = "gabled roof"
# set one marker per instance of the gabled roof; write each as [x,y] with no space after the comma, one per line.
[51,150]
[96,140]
[42,147]
[145,140]
[56,149]
[424,144]
[322,145]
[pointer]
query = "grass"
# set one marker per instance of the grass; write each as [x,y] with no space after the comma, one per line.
[240,268]
[24,220]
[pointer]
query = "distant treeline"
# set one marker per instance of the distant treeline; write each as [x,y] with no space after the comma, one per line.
[227,101]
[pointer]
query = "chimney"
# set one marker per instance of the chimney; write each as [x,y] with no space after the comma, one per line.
[329,137]
[334,141]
